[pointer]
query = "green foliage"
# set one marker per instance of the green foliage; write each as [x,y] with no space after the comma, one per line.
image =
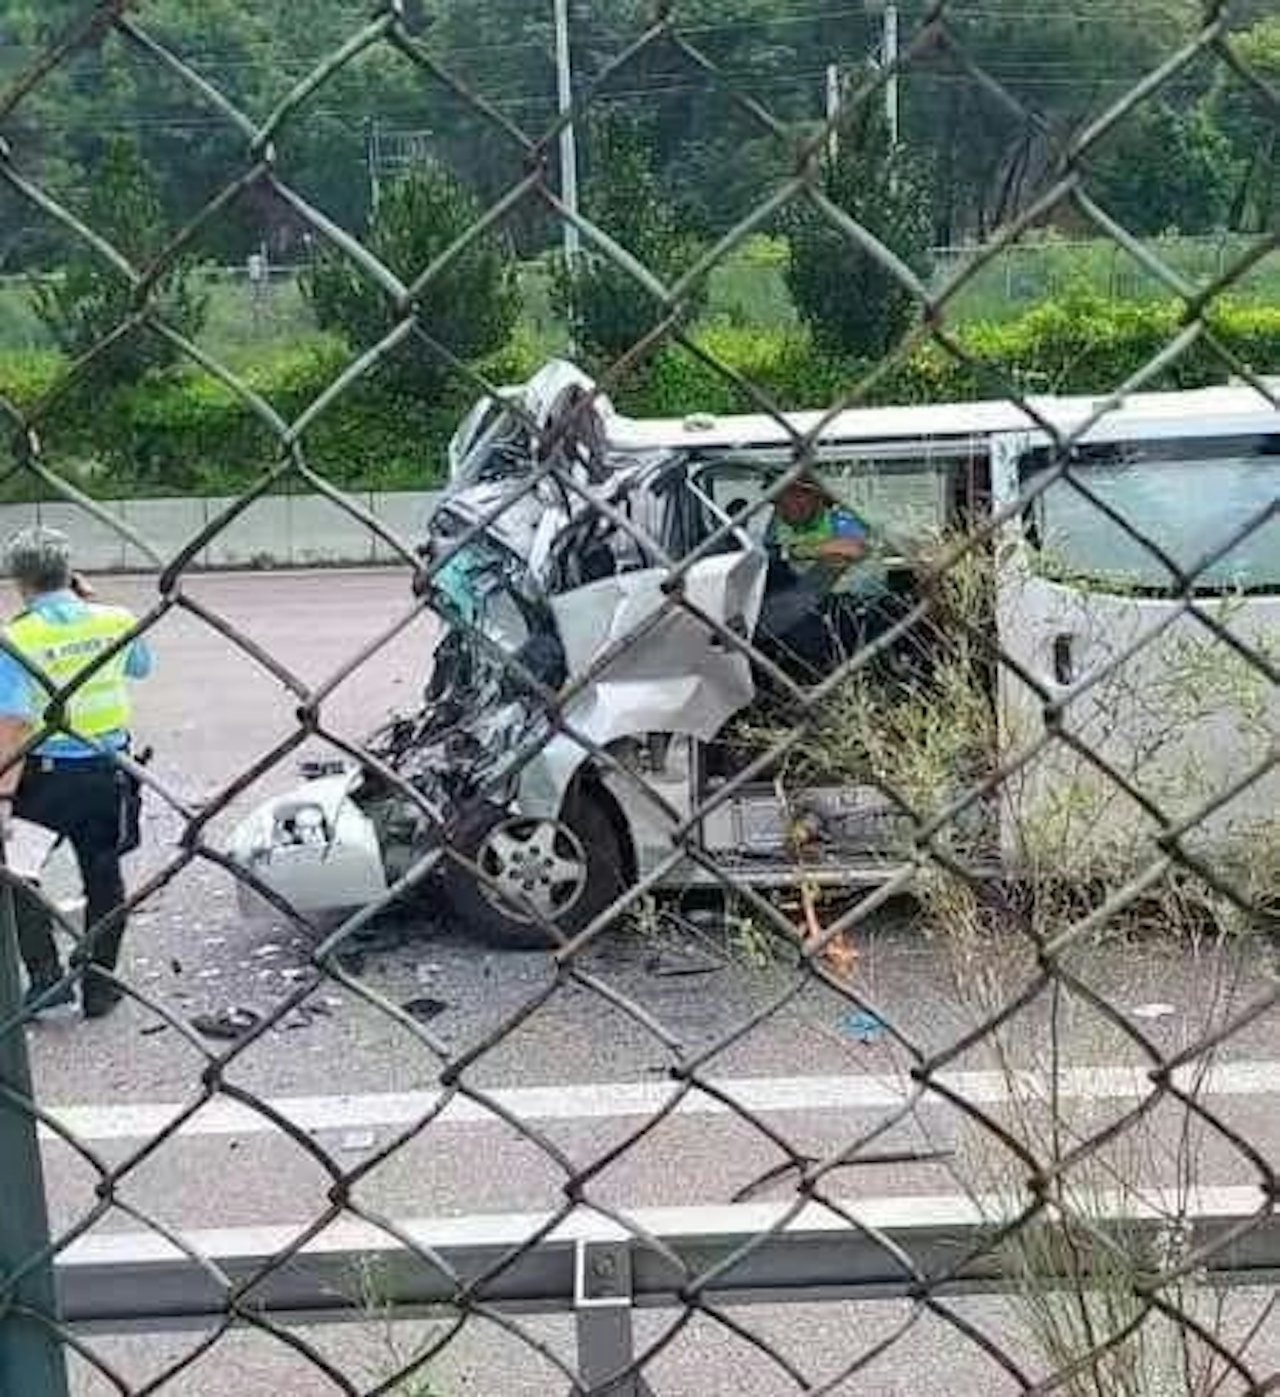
[1080,344]
[851,301]
[185,433]
[607,309]
[1084,343]
[1063,66]
[1250,123]
[1166,169]
[1059,66]
[469,307]
[1046,267]
[91,298]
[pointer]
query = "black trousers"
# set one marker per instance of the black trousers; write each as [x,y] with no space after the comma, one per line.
[79,800]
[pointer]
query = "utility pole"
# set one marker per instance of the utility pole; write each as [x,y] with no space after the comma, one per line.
[887,12]
[568,136]
[373,157]
[833,112]
[890,63]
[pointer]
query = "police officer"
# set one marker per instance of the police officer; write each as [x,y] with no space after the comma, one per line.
[70,783]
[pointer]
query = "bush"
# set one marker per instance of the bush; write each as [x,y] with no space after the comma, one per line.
[91,298]
[850,301]
[185,433]
[1085,343]
[1080,344]
[470,307]
[608,311]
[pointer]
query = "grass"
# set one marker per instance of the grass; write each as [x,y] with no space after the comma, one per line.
[242,320]
[750,288]
[19,327]
[747,289]
[1031,272]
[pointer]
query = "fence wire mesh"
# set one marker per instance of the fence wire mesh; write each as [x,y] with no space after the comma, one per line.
[1034,819]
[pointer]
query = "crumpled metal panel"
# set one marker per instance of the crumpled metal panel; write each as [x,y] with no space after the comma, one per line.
[676,675]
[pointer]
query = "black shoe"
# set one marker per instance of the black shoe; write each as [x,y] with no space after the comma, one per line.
[99,997]
[48,993]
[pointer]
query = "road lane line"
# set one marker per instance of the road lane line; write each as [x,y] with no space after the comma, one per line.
[619,1100]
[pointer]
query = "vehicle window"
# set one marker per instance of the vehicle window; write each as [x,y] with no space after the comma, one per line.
[491,445]
[1189,497]
[904,499]
[733,492]
[691,517]
[597,547]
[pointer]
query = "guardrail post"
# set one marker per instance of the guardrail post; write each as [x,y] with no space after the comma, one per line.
[602,1303]
[32,1360]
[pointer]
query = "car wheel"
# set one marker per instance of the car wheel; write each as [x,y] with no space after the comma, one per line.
[539,873]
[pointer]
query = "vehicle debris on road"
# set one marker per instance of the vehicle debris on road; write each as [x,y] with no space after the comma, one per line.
[227,1025]
[424,1009]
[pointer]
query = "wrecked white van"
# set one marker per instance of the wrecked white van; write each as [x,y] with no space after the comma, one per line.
[1064,689]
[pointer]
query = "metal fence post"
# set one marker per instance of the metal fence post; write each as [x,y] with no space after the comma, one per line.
[32,1360]
[602,1302]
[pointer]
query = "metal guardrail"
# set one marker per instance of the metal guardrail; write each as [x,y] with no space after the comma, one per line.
[601,1271]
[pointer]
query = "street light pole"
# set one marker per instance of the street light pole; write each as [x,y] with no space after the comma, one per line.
[568,136]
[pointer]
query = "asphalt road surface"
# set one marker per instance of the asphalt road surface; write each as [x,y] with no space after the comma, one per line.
[586,1059]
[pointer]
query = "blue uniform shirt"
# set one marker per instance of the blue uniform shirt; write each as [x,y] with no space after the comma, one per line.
[23,697]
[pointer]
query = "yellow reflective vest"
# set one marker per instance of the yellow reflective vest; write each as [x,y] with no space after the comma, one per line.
[60,651]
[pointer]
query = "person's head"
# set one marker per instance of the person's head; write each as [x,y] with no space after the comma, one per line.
[801,501]
[39,560]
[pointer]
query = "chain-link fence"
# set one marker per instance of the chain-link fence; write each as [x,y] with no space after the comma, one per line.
[756,679]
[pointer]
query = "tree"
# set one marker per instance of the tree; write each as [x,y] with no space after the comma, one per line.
[994,145]
[470,307]
[1165,170]
[1252,128]
[853,304]
[1052,70]
[607,309]
[90,297]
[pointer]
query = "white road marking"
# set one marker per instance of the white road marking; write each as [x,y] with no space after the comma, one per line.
[618,1100]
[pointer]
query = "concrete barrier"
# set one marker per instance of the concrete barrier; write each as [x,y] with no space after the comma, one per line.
[277,531]
[167,525]
[404,515]
[99,547]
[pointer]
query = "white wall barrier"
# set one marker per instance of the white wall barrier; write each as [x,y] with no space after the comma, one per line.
[277,531]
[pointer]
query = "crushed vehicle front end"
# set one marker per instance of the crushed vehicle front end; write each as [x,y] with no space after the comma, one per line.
[483,768]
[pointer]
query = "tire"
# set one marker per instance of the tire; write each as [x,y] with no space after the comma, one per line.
[585,837]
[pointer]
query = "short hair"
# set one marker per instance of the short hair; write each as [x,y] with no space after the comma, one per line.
[39,559]
[806,483]
[806,480]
